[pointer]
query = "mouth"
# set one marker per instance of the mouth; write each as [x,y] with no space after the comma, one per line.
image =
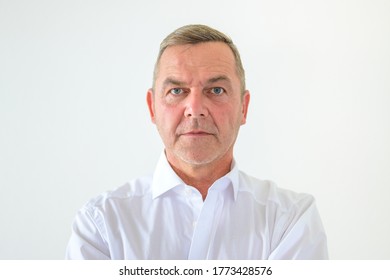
[197,133]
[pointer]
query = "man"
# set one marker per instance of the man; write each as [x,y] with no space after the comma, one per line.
[197,204]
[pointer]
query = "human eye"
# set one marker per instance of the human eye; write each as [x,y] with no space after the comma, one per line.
[176,91]
[217,90]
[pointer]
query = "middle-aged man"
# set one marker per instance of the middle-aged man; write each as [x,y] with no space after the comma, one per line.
[198,204]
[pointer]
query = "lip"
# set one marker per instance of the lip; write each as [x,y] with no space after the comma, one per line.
[196,133]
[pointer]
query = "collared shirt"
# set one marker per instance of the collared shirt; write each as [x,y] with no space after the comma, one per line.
[160,217]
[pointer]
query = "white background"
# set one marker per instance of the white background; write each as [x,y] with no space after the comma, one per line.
[74,122]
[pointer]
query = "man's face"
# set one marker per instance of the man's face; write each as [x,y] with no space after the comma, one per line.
[197,105]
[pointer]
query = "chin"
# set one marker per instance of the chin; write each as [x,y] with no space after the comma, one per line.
[198,160]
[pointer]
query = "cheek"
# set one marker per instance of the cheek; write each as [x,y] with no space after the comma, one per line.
[227,118]
[167,119]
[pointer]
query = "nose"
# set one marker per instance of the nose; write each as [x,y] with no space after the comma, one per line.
[196,106]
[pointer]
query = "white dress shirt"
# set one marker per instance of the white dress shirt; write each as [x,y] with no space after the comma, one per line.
[160,217]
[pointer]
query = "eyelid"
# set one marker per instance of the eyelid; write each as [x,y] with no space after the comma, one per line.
[222,88]
[185,90]
[176,88]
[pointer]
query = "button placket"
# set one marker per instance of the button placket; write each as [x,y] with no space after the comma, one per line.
[195,202]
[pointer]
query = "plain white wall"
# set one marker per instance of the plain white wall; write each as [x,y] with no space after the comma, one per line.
[74,122]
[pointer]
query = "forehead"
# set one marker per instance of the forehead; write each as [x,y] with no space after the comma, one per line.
[211,58]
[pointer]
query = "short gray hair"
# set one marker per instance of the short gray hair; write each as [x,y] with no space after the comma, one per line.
[195,34]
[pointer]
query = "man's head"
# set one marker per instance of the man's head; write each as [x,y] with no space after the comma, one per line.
[195,34]
[198,102]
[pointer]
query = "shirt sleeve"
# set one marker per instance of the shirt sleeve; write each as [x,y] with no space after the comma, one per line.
[86,241]
[302,236]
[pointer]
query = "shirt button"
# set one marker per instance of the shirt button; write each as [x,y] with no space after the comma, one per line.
[187,191]
[193,224]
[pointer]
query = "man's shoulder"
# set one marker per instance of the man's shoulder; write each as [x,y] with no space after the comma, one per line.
[268,192]
[136,188]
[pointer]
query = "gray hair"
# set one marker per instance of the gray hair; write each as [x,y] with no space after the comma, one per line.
[195,34]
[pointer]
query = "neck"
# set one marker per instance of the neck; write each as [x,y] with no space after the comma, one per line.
[201,176]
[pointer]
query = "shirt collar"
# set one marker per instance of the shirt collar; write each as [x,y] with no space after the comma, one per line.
[165,178]
[233,175]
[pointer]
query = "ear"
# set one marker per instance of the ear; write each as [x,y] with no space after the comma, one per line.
[150,102]
[245,103]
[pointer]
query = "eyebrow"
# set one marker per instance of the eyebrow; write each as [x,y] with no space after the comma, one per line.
[218,79]
[172,81]
[175,82]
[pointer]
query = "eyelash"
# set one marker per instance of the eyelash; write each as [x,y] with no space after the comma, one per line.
[171,91]
[222,89]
